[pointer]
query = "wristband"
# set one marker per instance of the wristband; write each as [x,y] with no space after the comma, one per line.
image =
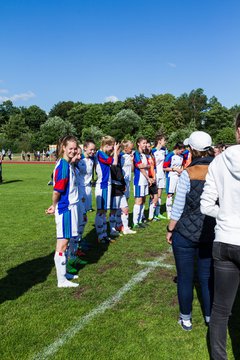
[168,230]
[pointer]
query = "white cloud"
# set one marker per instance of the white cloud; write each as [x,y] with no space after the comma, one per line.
[172,65]
[18,97]
[111,98]
[3,91]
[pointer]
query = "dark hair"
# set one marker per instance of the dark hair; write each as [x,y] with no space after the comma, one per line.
[158,138]
[199,154]
[237,121]
[141,138]
[179,145]
[88,141]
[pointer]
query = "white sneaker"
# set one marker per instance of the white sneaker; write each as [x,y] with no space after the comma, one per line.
[66,284]
[71,276]
[128,231]
[114,233]
[185,324]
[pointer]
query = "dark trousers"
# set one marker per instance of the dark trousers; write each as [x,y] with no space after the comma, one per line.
[226,281]
[185,253]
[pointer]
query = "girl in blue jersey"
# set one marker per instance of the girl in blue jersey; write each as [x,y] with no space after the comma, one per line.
[141,181]
[64,205]
[104,159]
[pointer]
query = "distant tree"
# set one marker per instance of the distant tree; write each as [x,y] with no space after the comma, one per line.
[61,109]
[15,127]
[53,129]
[217,118]
[137,104]
[181,134]
[225,136]
[92,132]
[125,123]
[34,117]
[6,110]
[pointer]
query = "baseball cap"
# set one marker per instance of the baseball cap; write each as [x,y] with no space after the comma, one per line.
[199,140]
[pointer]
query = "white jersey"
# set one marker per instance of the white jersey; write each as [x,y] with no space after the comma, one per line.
[159,155]
[126,161]
[85,168]
[139,178]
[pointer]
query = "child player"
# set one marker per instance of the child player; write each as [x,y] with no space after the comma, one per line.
[141,182]
[159,153]
[64,206]
[104,160]
[173,166]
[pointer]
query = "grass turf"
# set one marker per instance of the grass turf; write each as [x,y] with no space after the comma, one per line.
[34,312]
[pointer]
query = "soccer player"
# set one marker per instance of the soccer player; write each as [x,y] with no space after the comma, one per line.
[153,190]
[159,152]
[104,159]
[141,182]
[85,167]
[173,166]
[64,205]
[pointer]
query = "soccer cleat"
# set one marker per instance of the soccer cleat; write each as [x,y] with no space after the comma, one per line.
[143,225]
[156,218]
[185,324]
[71,276]
[119,228]
[67,284]
[80,253]
[128,232]
[114,232]
[161,217]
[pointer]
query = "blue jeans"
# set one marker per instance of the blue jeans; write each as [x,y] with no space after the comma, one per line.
[226,281]
[186,252]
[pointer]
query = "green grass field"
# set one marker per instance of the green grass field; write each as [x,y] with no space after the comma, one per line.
[40,321]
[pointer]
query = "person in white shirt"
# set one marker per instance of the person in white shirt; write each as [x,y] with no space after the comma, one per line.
[220,199]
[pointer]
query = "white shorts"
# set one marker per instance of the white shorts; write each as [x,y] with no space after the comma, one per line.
[119,202]
[171,184]
[67,223]
[127,191]
[103,197]
[86,197]
[141,190]
[161,183]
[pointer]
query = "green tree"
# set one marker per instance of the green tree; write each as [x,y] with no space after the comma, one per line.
[225,136]
[34,117]
[217,118]
[61,109]
[137,104]
[125,123]
[93,133]
[6,110]
[52,130]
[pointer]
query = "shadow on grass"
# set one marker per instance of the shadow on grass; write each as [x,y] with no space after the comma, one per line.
[23,277]
[10,181]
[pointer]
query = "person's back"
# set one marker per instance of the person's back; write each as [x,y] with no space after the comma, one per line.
[225,170]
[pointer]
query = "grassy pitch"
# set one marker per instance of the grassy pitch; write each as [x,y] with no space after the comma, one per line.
[114,314]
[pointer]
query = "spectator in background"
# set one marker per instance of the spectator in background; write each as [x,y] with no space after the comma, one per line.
[218,149]
[23,155]
[28,156]
[9,154]
[3,154]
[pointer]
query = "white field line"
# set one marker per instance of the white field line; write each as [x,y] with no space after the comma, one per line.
[106,305]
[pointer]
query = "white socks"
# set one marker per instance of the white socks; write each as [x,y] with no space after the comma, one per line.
[124,218]
[136,214]
[151,210]
[169,206]
[60,263]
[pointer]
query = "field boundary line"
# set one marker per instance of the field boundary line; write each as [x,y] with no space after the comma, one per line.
[106,305]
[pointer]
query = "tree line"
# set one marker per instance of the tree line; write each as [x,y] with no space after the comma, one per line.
[31,128]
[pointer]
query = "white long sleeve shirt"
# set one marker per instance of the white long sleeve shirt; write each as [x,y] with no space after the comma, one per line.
[221,195]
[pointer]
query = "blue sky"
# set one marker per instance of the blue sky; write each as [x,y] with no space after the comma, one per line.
[93,51]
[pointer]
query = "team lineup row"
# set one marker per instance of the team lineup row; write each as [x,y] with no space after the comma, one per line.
[113,164]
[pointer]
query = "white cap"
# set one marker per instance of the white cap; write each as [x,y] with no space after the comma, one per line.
[199,140]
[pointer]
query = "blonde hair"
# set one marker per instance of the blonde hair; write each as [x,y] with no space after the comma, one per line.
[126,143]
[107,140]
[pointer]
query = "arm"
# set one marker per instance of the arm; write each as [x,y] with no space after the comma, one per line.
[115,154]
[178,205]
[210,194]
[55,198]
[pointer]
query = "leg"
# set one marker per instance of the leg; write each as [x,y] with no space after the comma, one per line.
[226,282]
[184,252]
[205,276]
